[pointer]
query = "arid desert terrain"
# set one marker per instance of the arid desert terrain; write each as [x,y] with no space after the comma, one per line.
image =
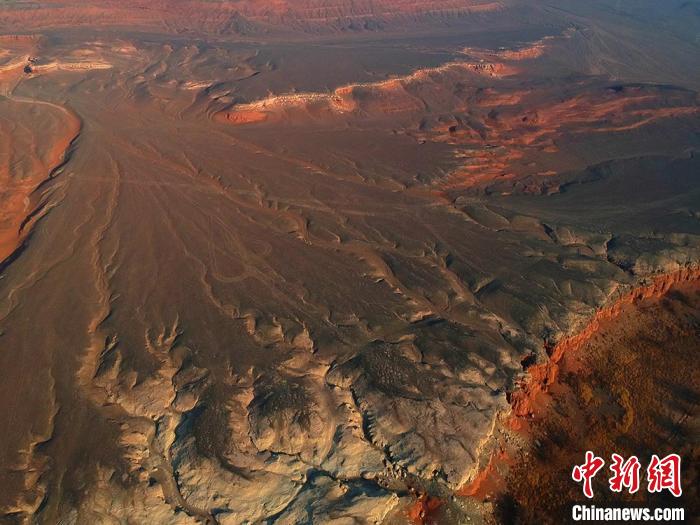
[343,262]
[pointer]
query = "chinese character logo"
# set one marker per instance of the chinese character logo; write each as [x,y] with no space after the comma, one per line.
[587,472]
[625,474]
[665,474]
[662,474]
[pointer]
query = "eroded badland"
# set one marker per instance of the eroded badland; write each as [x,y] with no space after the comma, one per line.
[303,261]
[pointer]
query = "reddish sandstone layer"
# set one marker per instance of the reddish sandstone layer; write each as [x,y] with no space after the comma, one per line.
[499,133]
[541,376]
[422,510]
[632,389]
[505,131]
[28,156]
[532,396]
[178,15]
[490,479]
[373,99]
[530,51]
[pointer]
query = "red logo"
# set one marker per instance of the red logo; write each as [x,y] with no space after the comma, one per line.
[625,474]
[665,474]
[587,472]
[662,474]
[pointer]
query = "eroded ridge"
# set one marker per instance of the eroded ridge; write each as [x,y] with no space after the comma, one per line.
[240,16]
[563,403]
[36,143]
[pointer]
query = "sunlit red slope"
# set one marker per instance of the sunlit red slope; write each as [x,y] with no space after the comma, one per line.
[237,16]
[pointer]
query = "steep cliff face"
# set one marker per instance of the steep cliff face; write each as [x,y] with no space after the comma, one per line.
[540,376]
[630,387]
[609,387]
